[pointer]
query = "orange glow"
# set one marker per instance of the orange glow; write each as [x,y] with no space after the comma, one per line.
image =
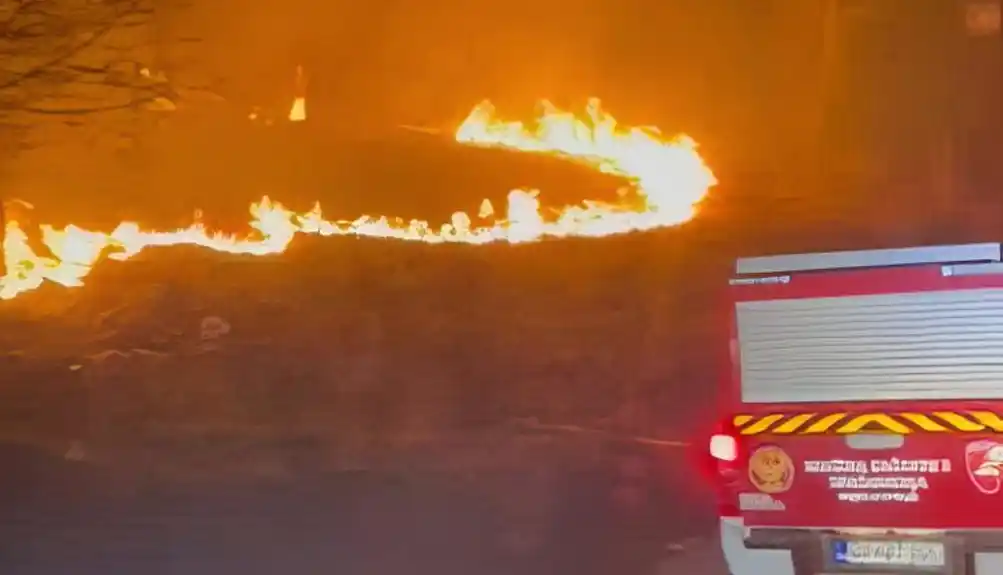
[668,177]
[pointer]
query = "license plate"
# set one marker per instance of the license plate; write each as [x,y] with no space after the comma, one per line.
[906,553]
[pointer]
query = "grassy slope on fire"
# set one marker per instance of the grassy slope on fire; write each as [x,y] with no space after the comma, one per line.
[449,334]
[388,339]
[346,353]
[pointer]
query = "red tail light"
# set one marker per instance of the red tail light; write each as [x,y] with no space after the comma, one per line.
[719,455]
[723,448]
[724,451]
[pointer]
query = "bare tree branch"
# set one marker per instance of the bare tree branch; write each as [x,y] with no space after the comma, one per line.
[89,41]
[85,111]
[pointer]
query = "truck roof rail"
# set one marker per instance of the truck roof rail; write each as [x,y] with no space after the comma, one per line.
[962,253]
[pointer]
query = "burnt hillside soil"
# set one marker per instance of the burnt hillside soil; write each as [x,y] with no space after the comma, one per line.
[376,405]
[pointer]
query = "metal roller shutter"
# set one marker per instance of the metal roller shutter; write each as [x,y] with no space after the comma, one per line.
[926,345]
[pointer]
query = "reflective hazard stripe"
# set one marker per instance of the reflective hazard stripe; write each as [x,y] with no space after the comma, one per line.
[846,423]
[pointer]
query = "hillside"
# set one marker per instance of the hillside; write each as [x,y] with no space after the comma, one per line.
[377,341]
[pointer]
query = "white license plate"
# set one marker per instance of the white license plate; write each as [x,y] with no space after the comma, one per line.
[909,553]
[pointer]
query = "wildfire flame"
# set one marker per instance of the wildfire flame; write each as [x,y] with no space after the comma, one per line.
[668,175]
[298,112]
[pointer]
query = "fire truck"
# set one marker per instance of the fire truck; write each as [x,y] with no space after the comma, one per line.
[862,427]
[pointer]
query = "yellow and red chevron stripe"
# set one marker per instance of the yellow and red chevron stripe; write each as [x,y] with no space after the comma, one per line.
[842,423]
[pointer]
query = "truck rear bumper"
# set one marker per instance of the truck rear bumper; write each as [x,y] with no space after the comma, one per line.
[742,560]
[797,551]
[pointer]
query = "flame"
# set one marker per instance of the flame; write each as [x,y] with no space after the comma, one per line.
[298,112]
[668,176]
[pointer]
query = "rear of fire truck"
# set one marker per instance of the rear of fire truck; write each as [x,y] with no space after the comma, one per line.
[863,415]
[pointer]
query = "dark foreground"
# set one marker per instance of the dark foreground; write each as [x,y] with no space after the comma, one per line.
[60,516]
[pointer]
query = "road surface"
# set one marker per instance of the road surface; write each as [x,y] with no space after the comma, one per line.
[701,557]
[58,516]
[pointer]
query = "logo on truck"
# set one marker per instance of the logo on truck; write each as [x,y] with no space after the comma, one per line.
[771,469]
[984,461]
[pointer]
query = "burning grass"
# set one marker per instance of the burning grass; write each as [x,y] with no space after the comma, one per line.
[666,176]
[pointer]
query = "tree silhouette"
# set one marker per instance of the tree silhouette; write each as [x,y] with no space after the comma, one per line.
[75,49]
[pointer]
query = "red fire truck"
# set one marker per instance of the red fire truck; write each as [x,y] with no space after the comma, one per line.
[864,413]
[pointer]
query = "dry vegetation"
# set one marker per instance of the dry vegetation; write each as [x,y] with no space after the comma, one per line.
[366,341]
[359,349]
[428,362]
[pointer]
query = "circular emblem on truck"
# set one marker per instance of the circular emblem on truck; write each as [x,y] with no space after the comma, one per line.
[771,469]
[984,462]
